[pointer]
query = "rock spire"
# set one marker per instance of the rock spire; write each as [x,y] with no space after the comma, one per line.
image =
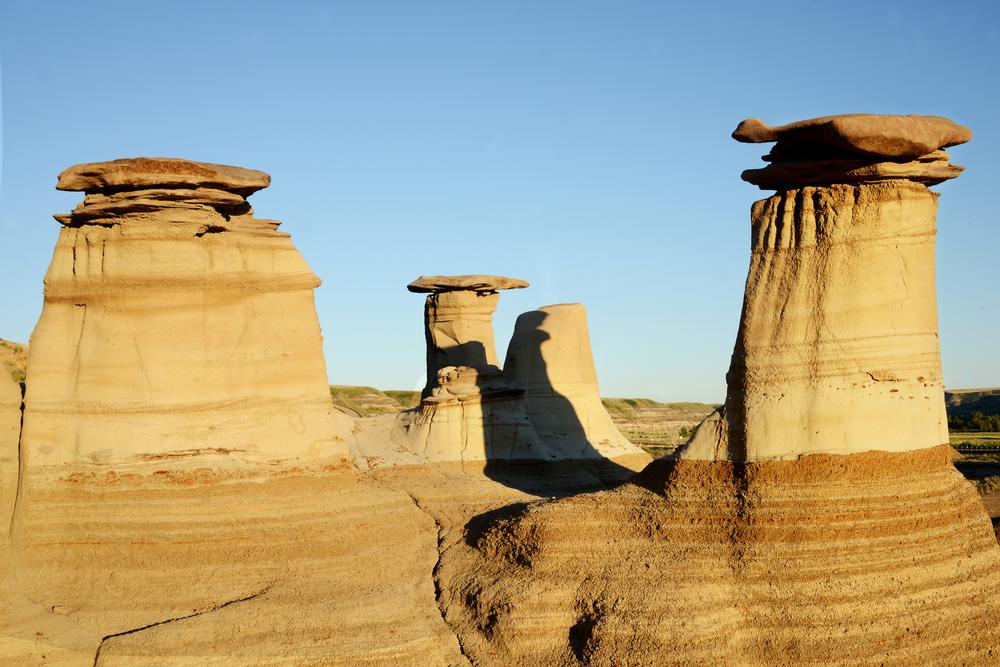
[469,410]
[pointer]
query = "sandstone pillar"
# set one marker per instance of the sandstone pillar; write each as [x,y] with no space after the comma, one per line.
[458,321]
[175,324]
[838,348]
[549,356]
[469,411]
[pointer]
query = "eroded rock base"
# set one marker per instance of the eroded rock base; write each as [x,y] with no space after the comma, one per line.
[862,559]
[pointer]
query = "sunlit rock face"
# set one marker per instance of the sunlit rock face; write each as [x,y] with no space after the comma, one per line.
[817,518]
[549,356]
[838,349]
[10,433]
[469,410]
[175,323]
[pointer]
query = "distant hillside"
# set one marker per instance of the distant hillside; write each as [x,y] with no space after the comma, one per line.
[973,410]
[965,402]
[363,401]
[654,426]
[14,357]
[407,399]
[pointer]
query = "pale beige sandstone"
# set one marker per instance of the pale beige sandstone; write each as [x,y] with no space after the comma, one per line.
[822,523]
[10,433]
[176,324]
[266,565]
[549,356]
[840,318]
[458,321]
[469,410]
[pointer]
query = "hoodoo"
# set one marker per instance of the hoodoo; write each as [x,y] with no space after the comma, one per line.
[817,517]
[469,410]
[550,357]
[175,324]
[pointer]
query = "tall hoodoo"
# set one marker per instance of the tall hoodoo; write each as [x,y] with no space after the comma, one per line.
[817,517]
[458,321]
[549,356]
[468,411]
[838,348]
[175,322]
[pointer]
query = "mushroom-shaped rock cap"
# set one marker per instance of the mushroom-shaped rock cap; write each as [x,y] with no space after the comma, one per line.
[898,138]
[140,173]
[472,283]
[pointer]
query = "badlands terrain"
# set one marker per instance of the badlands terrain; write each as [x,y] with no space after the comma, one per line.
[181,485]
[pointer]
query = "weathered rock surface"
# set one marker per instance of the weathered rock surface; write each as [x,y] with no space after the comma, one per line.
[458,329]
[929,169]
[839,319]
[872,558]
[265,565]
[474,283]
[176,324]
[146,173]
[469,411]
[816,518]
[10,433]
[854,148]
[549,356]
[896,137]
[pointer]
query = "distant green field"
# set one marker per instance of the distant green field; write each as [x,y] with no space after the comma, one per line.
[960,439]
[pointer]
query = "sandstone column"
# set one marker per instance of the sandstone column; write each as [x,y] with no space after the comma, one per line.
[469,411]
[550,357]
[838,349]
[458,321]
[175,324]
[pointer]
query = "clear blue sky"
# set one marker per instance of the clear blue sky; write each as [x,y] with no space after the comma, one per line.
[583,146]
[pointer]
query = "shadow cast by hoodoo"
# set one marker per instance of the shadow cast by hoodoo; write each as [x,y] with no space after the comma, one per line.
[569,464]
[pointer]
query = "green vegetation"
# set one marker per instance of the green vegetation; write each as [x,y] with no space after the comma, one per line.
[407,399]
[977,421]
[362,401]
[983,439]
[15,358]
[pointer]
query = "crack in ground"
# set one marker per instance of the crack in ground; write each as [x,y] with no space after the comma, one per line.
[438,592]
[97,654]
[19,489]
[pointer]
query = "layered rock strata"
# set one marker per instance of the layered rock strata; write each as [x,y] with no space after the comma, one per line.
[469,410]
[458,321]
[817,518]
[10,434]
[549,356]
[175,324]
